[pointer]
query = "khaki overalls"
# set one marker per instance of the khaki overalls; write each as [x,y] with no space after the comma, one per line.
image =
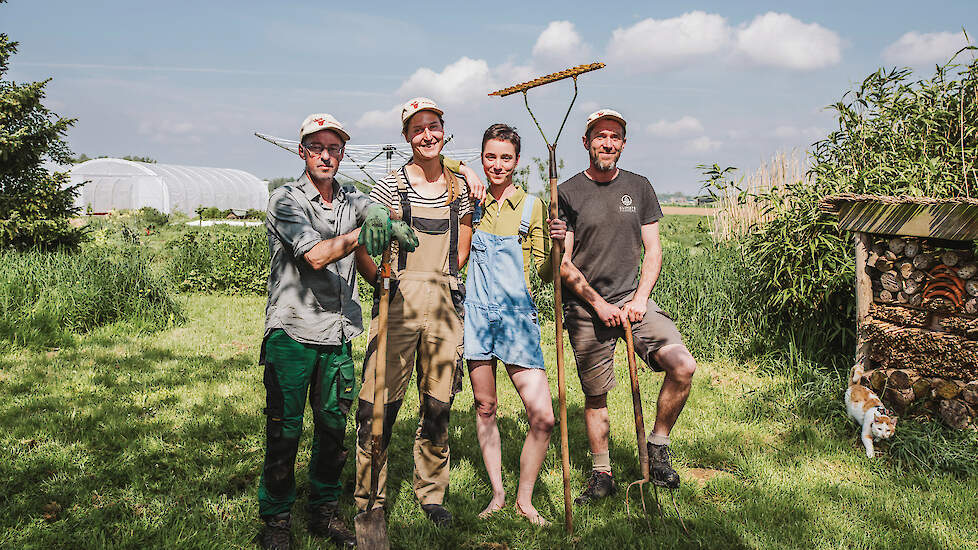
[424,331]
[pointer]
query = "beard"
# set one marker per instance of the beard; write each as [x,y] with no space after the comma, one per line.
[606,165]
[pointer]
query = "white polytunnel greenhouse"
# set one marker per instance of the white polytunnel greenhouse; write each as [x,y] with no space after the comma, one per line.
[117,184]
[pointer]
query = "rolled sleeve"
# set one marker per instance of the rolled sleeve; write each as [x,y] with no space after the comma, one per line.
[287,221]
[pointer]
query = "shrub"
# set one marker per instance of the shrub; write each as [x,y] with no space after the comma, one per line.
[896,136]
[225,261]
[35,204]
[46,298]
[149,216]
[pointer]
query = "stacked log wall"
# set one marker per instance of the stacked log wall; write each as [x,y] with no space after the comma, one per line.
[923,327]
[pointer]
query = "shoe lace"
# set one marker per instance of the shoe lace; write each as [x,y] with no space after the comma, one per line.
[593,481]
[663,455]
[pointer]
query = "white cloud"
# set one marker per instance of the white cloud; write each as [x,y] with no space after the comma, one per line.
[560,43]
[703,144]
[381,120]
[509,74]
[172,130]
[682,126]
[915,48]
[654,45]
[780,40]
[457,83]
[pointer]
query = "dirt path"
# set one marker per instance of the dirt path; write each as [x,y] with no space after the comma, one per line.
[688,210]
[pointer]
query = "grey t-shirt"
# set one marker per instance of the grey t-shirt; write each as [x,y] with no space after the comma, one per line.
[313,307]
[607,220]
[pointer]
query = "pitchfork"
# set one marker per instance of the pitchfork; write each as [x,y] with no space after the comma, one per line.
[643,450]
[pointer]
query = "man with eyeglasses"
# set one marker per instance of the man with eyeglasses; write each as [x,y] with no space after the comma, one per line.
[312,315]
[612,219]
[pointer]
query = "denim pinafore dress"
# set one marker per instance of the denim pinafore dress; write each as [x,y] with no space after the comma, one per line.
[500,316]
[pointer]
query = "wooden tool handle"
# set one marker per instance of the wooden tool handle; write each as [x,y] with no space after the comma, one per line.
[643,451]
[380,355]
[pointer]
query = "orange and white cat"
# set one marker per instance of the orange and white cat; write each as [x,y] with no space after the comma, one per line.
[866,409]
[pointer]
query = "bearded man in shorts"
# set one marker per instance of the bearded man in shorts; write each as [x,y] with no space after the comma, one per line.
[612,219]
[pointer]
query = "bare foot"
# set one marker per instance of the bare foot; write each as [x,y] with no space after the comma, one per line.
[495,505]
[531,514]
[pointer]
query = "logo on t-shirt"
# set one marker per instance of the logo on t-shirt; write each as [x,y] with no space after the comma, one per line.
[626,204]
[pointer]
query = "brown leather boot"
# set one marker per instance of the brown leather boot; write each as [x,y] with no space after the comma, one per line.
[325,521]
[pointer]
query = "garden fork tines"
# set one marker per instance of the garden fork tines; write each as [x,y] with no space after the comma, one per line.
[643,451]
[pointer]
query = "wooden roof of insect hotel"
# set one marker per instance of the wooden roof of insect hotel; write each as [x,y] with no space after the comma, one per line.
[952,219]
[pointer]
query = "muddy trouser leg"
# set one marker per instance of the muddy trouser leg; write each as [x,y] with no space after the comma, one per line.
[331,393]
[401,349]
[439,379]
[288,368]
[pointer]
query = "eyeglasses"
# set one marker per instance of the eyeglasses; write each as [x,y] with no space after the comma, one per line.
[316,150]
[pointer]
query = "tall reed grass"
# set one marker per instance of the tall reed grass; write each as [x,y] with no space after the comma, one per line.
[746,205]
[47,298]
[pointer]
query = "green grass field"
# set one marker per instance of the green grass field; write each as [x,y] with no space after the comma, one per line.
[156,441]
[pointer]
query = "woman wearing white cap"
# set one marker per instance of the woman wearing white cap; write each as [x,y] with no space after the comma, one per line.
[425,312]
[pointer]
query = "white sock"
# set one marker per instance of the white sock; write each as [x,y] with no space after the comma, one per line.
[601,462]
[657,439]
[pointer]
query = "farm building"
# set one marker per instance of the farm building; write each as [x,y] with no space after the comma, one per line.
[117,184]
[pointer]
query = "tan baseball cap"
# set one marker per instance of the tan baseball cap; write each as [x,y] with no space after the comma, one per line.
[418,104]
[603,113]
[322,121]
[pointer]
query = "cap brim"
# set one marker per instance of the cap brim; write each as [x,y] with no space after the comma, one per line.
[436,110]
[339,131]
[619,120]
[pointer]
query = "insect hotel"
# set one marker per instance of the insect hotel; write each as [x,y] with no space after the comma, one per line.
[916,301]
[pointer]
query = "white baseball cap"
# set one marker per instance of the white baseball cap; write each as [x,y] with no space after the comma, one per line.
[322,121]
[418,104]
[604,113]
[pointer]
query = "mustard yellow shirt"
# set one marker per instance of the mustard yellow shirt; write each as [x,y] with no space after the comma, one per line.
[503,219]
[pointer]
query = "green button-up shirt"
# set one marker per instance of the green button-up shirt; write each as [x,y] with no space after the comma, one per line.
[313,307]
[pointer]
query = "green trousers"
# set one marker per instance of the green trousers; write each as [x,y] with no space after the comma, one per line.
[292,370]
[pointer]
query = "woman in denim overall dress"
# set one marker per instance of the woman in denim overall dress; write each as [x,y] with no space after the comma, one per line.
[501,318]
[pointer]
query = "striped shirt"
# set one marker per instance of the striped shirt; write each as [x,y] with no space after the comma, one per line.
[385,192]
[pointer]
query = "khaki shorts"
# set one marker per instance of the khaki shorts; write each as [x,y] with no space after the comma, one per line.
[594,343]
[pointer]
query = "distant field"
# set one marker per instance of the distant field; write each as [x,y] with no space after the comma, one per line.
[688,210]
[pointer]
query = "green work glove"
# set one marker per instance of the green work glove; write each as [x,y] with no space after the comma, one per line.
[451,164]
[406,239]
[376,230]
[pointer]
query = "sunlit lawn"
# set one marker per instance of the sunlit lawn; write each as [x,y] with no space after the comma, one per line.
[156,441]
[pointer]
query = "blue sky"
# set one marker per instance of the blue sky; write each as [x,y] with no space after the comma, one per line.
[732,83]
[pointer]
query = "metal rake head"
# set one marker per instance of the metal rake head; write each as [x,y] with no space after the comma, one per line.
[573,72]
[552,77]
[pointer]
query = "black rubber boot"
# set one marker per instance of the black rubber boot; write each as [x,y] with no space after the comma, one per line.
[325,521]
[599,486]
[660,462]
[276,533]
[437,514]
